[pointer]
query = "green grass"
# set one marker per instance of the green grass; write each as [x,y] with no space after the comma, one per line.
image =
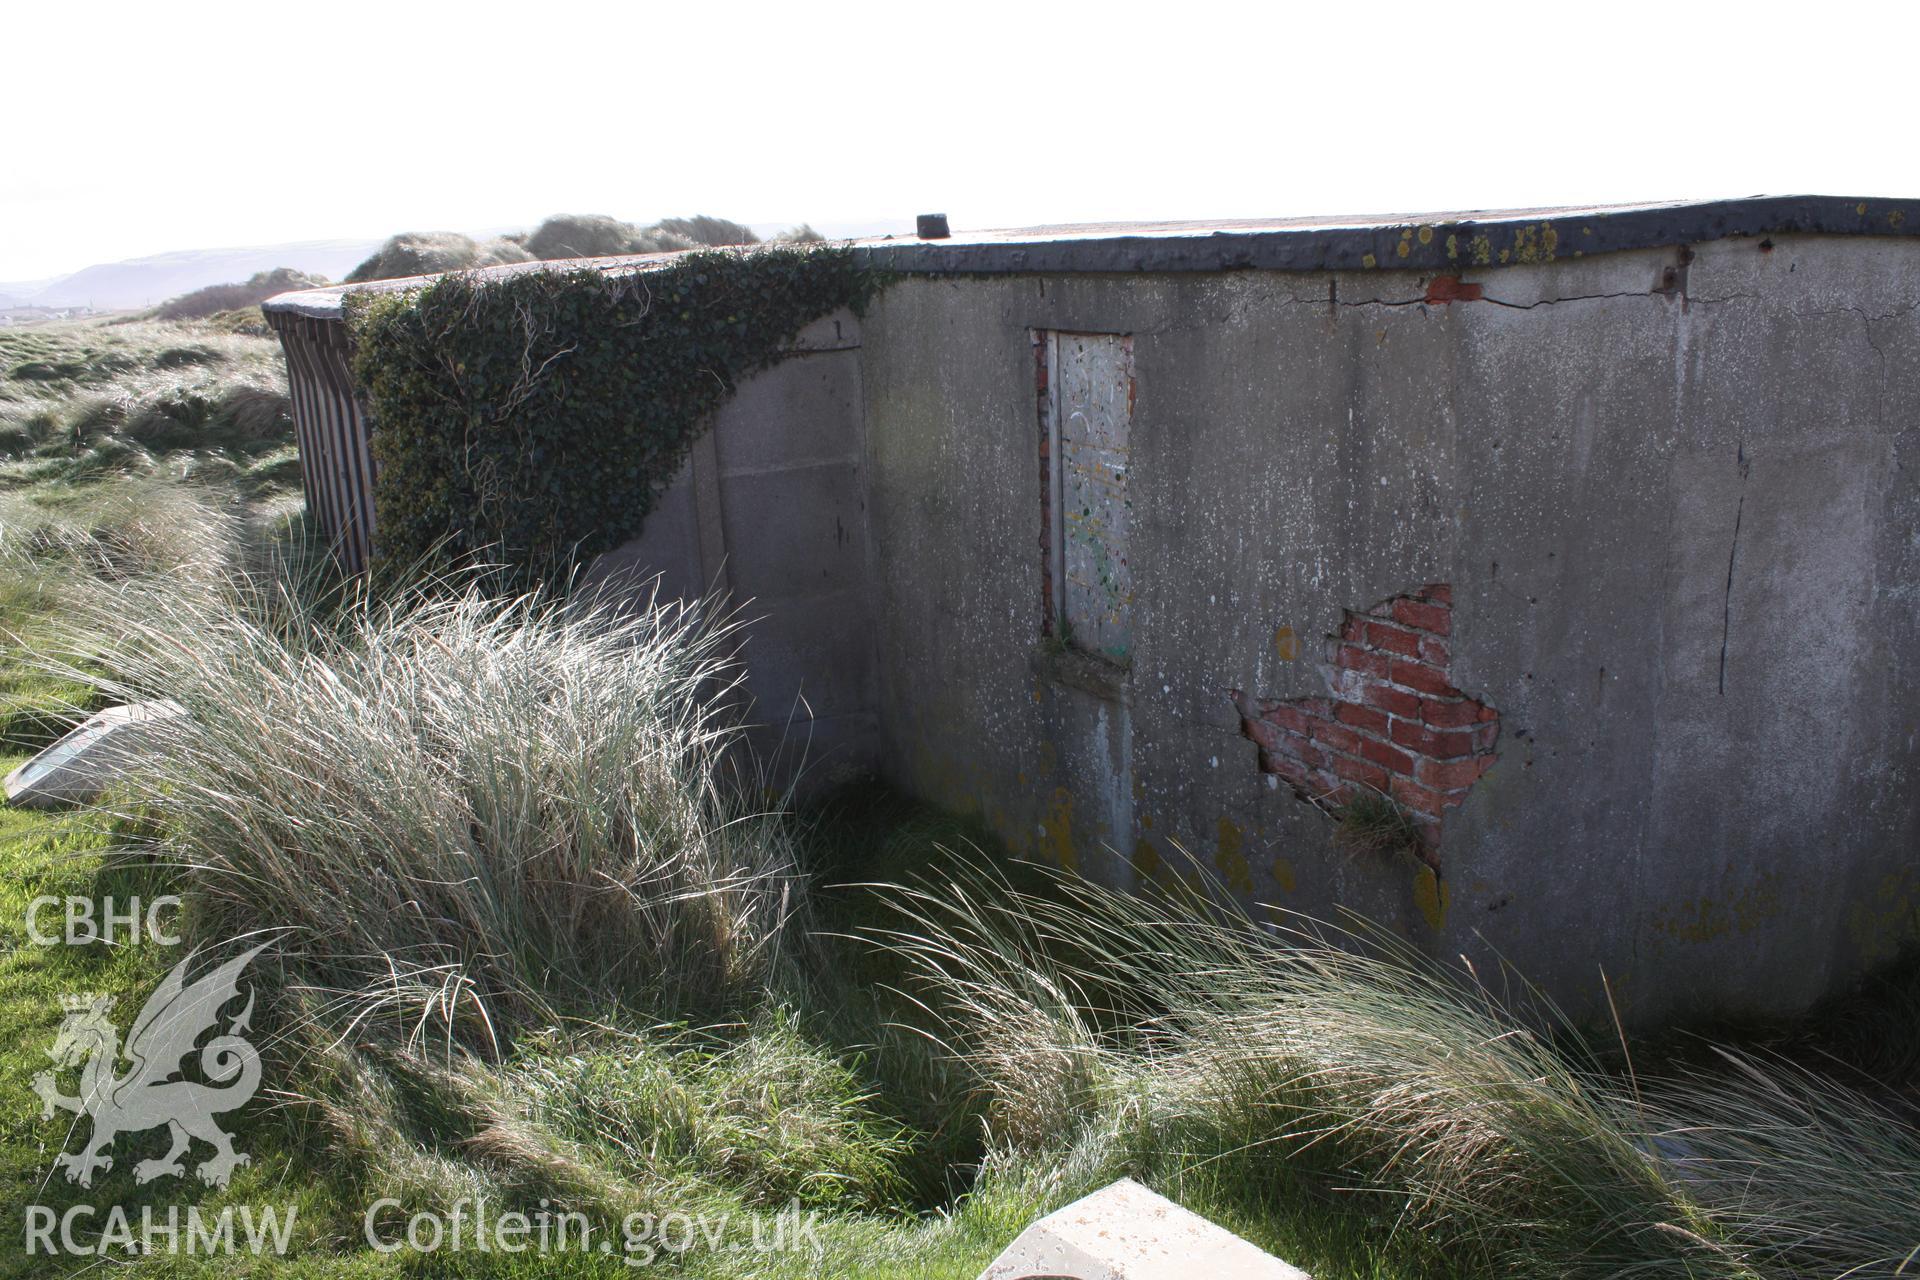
[712,1117]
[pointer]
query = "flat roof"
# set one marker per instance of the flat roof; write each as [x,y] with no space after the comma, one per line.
[1455,241]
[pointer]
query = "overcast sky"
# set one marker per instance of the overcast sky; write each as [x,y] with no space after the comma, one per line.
[154,126]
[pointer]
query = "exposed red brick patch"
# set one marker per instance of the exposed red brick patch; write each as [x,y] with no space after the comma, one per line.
[1395,721]
[1445,289]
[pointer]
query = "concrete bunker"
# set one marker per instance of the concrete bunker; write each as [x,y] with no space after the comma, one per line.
[1595,528]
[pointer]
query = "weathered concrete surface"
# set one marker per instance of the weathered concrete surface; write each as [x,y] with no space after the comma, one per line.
[1126,1232]
[769,516]
[1673,494]
[1668,491]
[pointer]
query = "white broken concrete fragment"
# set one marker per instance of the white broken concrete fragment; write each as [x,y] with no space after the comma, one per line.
[82,764]
[1126,1232]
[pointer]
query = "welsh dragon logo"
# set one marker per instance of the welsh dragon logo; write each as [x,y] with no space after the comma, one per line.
[148,1095]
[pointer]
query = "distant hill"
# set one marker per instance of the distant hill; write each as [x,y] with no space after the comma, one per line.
[145,282]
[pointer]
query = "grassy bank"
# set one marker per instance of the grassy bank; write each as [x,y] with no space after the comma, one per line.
[190,402]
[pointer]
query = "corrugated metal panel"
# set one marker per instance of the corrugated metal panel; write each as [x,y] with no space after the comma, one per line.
[336,456]
[1090,382]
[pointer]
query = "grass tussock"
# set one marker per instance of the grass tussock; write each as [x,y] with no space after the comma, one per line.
[420,253]
[55,540]
[1172,1036]
[562,236]
[91,400]
[1372,822]
[470,813]
[203,304]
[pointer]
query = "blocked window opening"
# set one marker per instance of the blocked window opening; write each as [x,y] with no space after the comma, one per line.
[1086,393]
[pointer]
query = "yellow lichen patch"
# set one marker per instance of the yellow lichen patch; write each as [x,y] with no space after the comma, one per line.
[1880,927]
[1406,243]
[1056,832]
[1431,896]
[1283,875]
[1896,216]
[1861,208]
[1482,251]
[1231,858]
[1706,919]
[1286,644]
[1453,247]
[1368,261]
[1146,862]
[1426,235]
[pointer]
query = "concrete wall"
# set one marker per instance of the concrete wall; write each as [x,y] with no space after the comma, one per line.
[770,513]
[1604,566]
[1671,494]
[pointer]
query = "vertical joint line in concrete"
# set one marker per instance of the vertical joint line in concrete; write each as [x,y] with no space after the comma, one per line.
[707,514]
[1733,553]
[1056,509]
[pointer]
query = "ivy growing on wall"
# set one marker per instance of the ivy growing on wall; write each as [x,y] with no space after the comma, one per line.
[534,418]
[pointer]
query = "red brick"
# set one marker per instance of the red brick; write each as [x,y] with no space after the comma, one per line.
[1418,798]
[1485,735]
[1291,740]
[1346,685]
[1267,735]
[1361,717]
[1448,774]
[1288,717]
[1428,742]
[1418,675]
[1292,770]
[1449,715]
[1434,650]
[1381,635]
[1353,658]
[1427,617]
[1386,757]
[1438,592]
[1397,701]
[1353,627]
[1361,771]
[1442,290]
[1337,736]
[1308,753]
[1413,735]
[1487,714]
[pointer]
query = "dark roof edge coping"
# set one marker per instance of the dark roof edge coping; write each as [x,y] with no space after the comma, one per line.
[1437,242]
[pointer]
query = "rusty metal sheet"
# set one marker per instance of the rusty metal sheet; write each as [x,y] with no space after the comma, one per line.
[1091,381]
